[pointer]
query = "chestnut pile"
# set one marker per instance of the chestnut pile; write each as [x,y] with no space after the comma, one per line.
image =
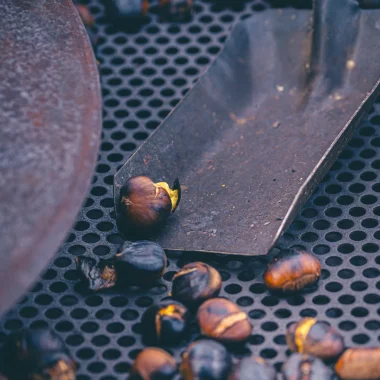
[194,297]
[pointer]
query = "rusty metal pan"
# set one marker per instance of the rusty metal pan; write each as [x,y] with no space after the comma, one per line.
[258,132]
[50,122]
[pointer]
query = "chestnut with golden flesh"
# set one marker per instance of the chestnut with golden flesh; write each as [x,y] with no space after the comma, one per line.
[221,319]
[37,354]
[206,360]
[166,323]
[145,206]
[292,270]
[305,367]
[153,364]
[253,368]
[140,263]
[314,337]
[100,275]
[359,364]
[196,283]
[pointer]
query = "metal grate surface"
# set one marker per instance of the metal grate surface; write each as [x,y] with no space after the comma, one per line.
[144,75]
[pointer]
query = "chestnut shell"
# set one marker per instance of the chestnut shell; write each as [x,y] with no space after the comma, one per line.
[359,364]
[144,206]
[140,263]
[314,337]
[166,323]
[100,275]
[221,319]
[305,367]
[153,364]
[253,367]
[195,283]
[29,354]
[206,360]
[292,270]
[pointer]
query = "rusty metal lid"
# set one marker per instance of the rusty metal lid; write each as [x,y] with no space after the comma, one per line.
[50,118]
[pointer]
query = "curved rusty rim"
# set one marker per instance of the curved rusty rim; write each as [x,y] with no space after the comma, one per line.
[50,118]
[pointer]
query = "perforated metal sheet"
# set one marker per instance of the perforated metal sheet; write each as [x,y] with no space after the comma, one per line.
[144,75]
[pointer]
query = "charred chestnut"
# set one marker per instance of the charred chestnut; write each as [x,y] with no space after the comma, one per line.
[196,283]
[359,364]
[176,10]
[223,320]
[37,354]
[153,363]
[305,367]
[315,338]
[292,270]
[206,360]
[140,263]
[166,323]
[253,367]
[100,275]
[145,206]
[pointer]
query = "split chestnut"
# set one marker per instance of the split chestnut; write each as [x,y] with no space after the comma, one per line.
[223,320]
[166,323]
[315,338]
[292,270]
[153,363]
[145,205]
[196,283]
[206,360]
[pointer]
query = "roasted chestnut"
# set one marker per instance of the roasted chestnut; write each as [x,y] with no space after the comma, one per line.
[206,360]
[100,275]
[145,206]
[176,10]
[253,368]
[223,320]
[292,270]
[315,338]
[37,354]
[140,263]
[359,364]
[196,283]
[153,364]
[305,367]
[166,323]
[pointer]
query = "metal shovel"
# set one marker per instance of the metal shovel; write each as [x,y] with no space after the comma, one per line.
[258,132]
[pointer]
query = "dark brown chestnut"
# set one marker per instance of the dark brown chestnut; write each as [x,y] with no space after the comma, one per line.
[37,354]
[145,206]
[253,368]
[206,360]
[140,263]
[359,364]
[316,338]
[292,270]
[100,275]
[176,10]
[196,283]
[221,319]
[153,364]
[166,323]
[305,367]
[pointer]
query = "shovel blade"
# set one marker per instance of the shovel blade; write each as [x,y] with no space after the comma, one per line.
[258,132]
